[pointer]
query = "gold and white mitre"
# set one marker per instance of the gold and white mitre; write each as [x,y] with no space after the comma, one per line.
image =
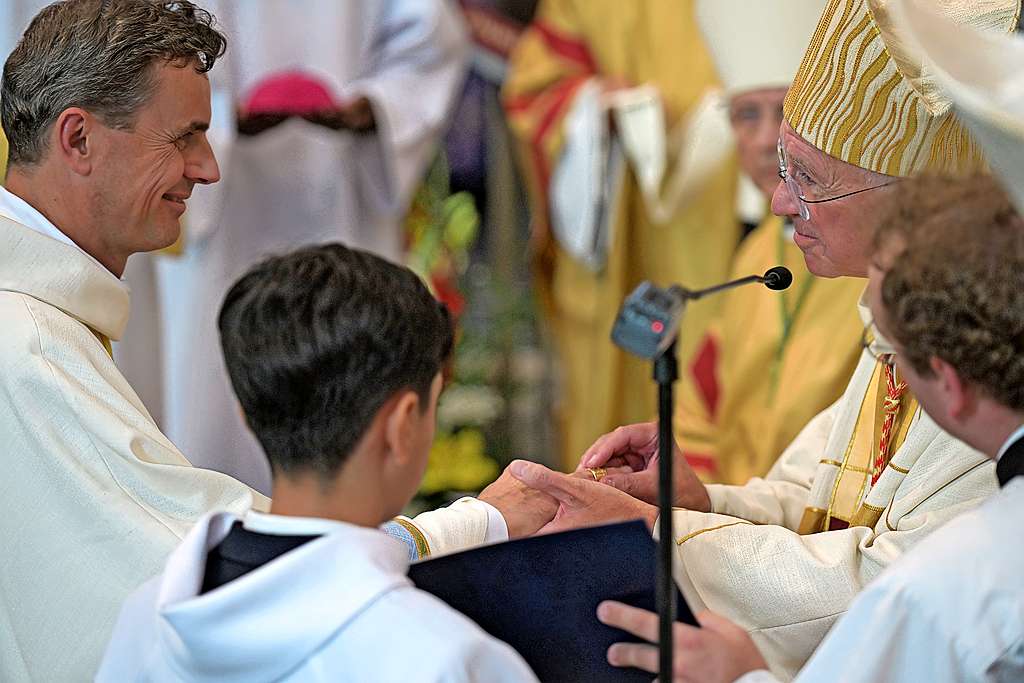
[982,73]
[757,45]
[861,94]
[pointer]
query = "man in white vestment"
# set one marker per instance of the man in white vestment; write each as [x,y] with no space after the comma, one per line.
[948,291]
[105,107]
[784,556]
[946,287]
[336,356]
[326,115]
[138,353]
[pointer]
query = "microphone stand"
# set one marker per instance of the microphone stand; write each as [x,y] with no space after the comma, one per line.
[666,372]
[647,326]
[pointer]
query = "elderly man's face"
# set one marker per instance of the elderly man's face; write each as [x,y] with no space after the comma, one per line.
[146,174]
[756,116]
[836,239]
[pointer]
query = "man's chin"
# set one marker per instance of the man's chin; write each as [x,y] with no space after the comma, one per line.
[169,238]
[820,267]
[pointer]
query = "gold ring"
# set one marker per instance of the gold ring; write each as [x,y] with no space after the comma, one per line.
[597,473]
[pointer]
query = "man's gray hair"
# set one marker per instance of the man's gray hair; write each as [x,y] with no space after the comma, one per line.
[97,55]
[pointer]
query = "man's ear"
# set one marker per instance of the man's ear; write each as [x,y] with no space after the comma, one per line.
[400,426]
[960,396]
[74,138]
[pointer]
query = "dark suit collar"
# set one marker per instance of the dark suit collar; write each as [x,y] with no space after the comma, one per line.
[1011,464]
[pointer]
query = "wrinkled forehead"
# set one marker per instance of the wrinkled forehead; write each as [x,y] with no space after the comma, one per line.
[802,153]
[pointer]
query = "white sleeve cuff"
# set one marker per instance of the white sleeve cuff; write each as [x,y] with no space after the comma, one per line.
[497,529]
[466,523]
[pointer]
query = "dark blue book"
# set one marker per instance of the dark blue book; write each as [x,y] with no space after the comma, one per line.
[540,595]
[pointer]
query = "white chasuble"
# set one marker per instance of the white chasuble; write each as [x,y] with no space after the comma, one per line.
[138,354]
[93,497]
[297,182]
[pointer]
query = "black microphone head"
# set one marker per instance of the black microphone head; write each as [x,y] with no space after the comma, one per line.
[778,278]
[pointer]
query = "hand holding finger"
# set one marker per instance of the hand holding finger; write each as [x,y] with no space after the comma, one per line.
[641,485]
[637,439]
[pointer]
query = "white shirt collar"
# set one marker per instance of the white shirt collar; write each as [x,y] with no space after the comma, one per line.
[18,210]
[1019,434]
[287,525]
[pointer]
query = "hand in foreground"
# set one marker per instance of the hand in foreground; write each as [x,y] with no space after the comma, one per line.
[636,447]
[581,502]
[525,509]
[720,652]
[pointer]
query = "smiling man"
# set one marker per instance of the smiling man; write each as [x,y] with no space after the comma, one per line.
[105,105]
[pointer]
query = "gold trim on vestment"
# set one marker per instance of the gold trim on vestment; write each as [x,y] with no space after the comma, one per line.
[422,547]
[951,481]
[851,465]
[811,521]
[897,468]
[105,340]
[867,515]
[694,534]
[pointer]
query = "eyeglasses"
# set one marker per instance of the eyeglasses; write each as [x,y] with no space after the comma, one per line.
[801,197]
[867,341]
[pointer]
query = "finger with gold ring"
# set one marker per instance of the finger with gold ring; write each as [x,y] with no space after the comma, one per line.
[597,473]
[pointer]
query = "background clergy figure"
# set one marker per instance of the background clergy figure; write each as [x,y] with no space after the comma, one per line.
[771,361]
[573,56]
[329,113]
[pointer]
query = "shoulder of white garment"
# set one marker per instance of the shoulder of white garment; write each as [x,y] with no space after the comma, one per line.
[951,609]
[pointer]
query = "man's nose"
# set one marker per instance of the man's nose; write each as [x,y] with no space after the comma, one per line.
[783,203]
[201,166]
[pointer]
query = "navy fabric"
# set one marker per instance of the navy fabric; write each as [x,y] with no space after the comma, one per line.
[540,595]
[1012,463]
[241,552]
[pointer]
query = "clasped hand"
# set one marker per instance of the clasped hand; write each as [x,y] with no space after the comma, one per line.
[534,499]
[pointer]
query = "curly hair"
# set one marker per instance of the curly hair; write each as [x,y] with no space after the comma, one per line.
[955,290]
[97,55]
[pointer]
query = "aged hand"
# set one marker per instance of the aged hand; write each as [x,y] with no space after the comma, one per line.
[581,502]
[636,447]
[525,509]
[719,652]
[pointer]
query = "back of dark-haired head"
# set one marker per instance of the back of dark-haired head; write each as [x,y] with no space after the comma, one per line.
[955,290]
[317,340]
[98,55]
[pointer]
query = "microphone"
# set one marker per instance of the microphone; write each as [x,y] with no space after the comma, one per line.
[648,320]
[777,278]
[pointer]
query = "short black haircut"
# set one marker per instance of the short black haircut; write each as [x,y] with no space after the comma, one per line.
[317,340]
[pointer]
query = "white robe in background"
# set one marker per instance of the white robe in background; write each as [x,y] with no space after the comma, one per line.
[92,496]
[951,610]
[138,355]
[299,183]
[746,561]
[337,608]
